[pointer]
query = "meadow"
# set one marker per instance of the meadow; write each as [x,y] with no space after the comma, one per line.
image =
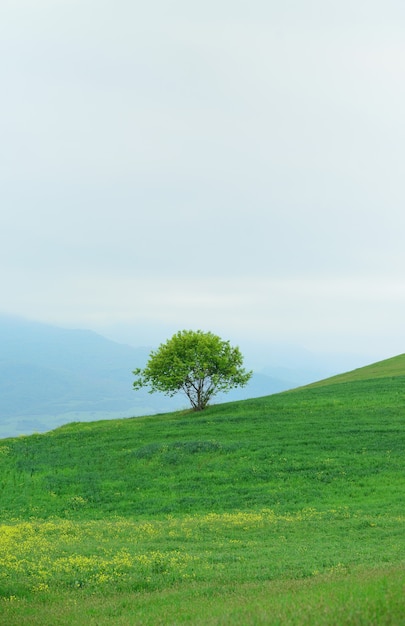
[287,509]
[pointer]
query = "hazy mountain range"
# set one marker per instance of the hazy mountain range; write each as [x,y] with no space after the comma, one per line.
[50,376]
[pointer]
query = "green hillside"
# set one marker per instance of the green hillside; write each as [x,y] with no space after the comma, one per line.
[244,508]
[389,368]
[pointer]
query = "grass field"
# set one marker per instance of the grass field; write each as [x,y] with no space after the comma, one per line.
[287,509]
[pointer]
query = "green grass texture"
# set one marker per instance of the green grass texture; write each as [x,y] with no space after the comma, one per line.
[287,509]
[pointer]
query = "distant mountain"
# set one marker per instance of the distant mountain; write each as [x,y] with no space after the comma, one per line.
[50,376]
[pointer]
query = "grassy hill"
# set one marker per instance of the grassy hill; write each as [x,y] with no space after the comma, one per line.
[286,509]
[389,368]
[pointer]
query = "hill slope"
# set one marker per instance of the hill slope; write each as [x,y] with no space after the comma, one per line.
[388,368]
[316,445]
[258,503]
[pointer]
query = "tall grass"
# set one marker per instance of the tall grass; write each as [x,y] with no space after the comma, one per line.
[372,596]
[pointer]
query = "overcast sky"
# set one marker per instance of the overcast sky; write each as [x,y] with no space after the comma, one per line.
[228,165]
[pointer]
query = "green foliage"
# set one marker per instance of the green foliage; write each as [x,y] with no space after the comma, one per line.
[200,364]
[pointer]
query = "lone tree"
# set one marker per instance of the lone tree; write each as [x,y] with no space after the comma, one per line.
[198,363]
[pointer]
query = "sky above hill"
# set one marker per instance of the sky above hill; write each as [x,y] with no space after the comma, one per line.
[232,166]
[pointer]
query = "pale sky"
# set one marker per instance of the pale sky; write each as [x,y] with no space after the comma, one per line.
[231,166]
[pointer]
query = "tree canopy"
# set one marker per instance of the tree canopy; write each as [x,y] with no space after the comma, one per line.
[199,364]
